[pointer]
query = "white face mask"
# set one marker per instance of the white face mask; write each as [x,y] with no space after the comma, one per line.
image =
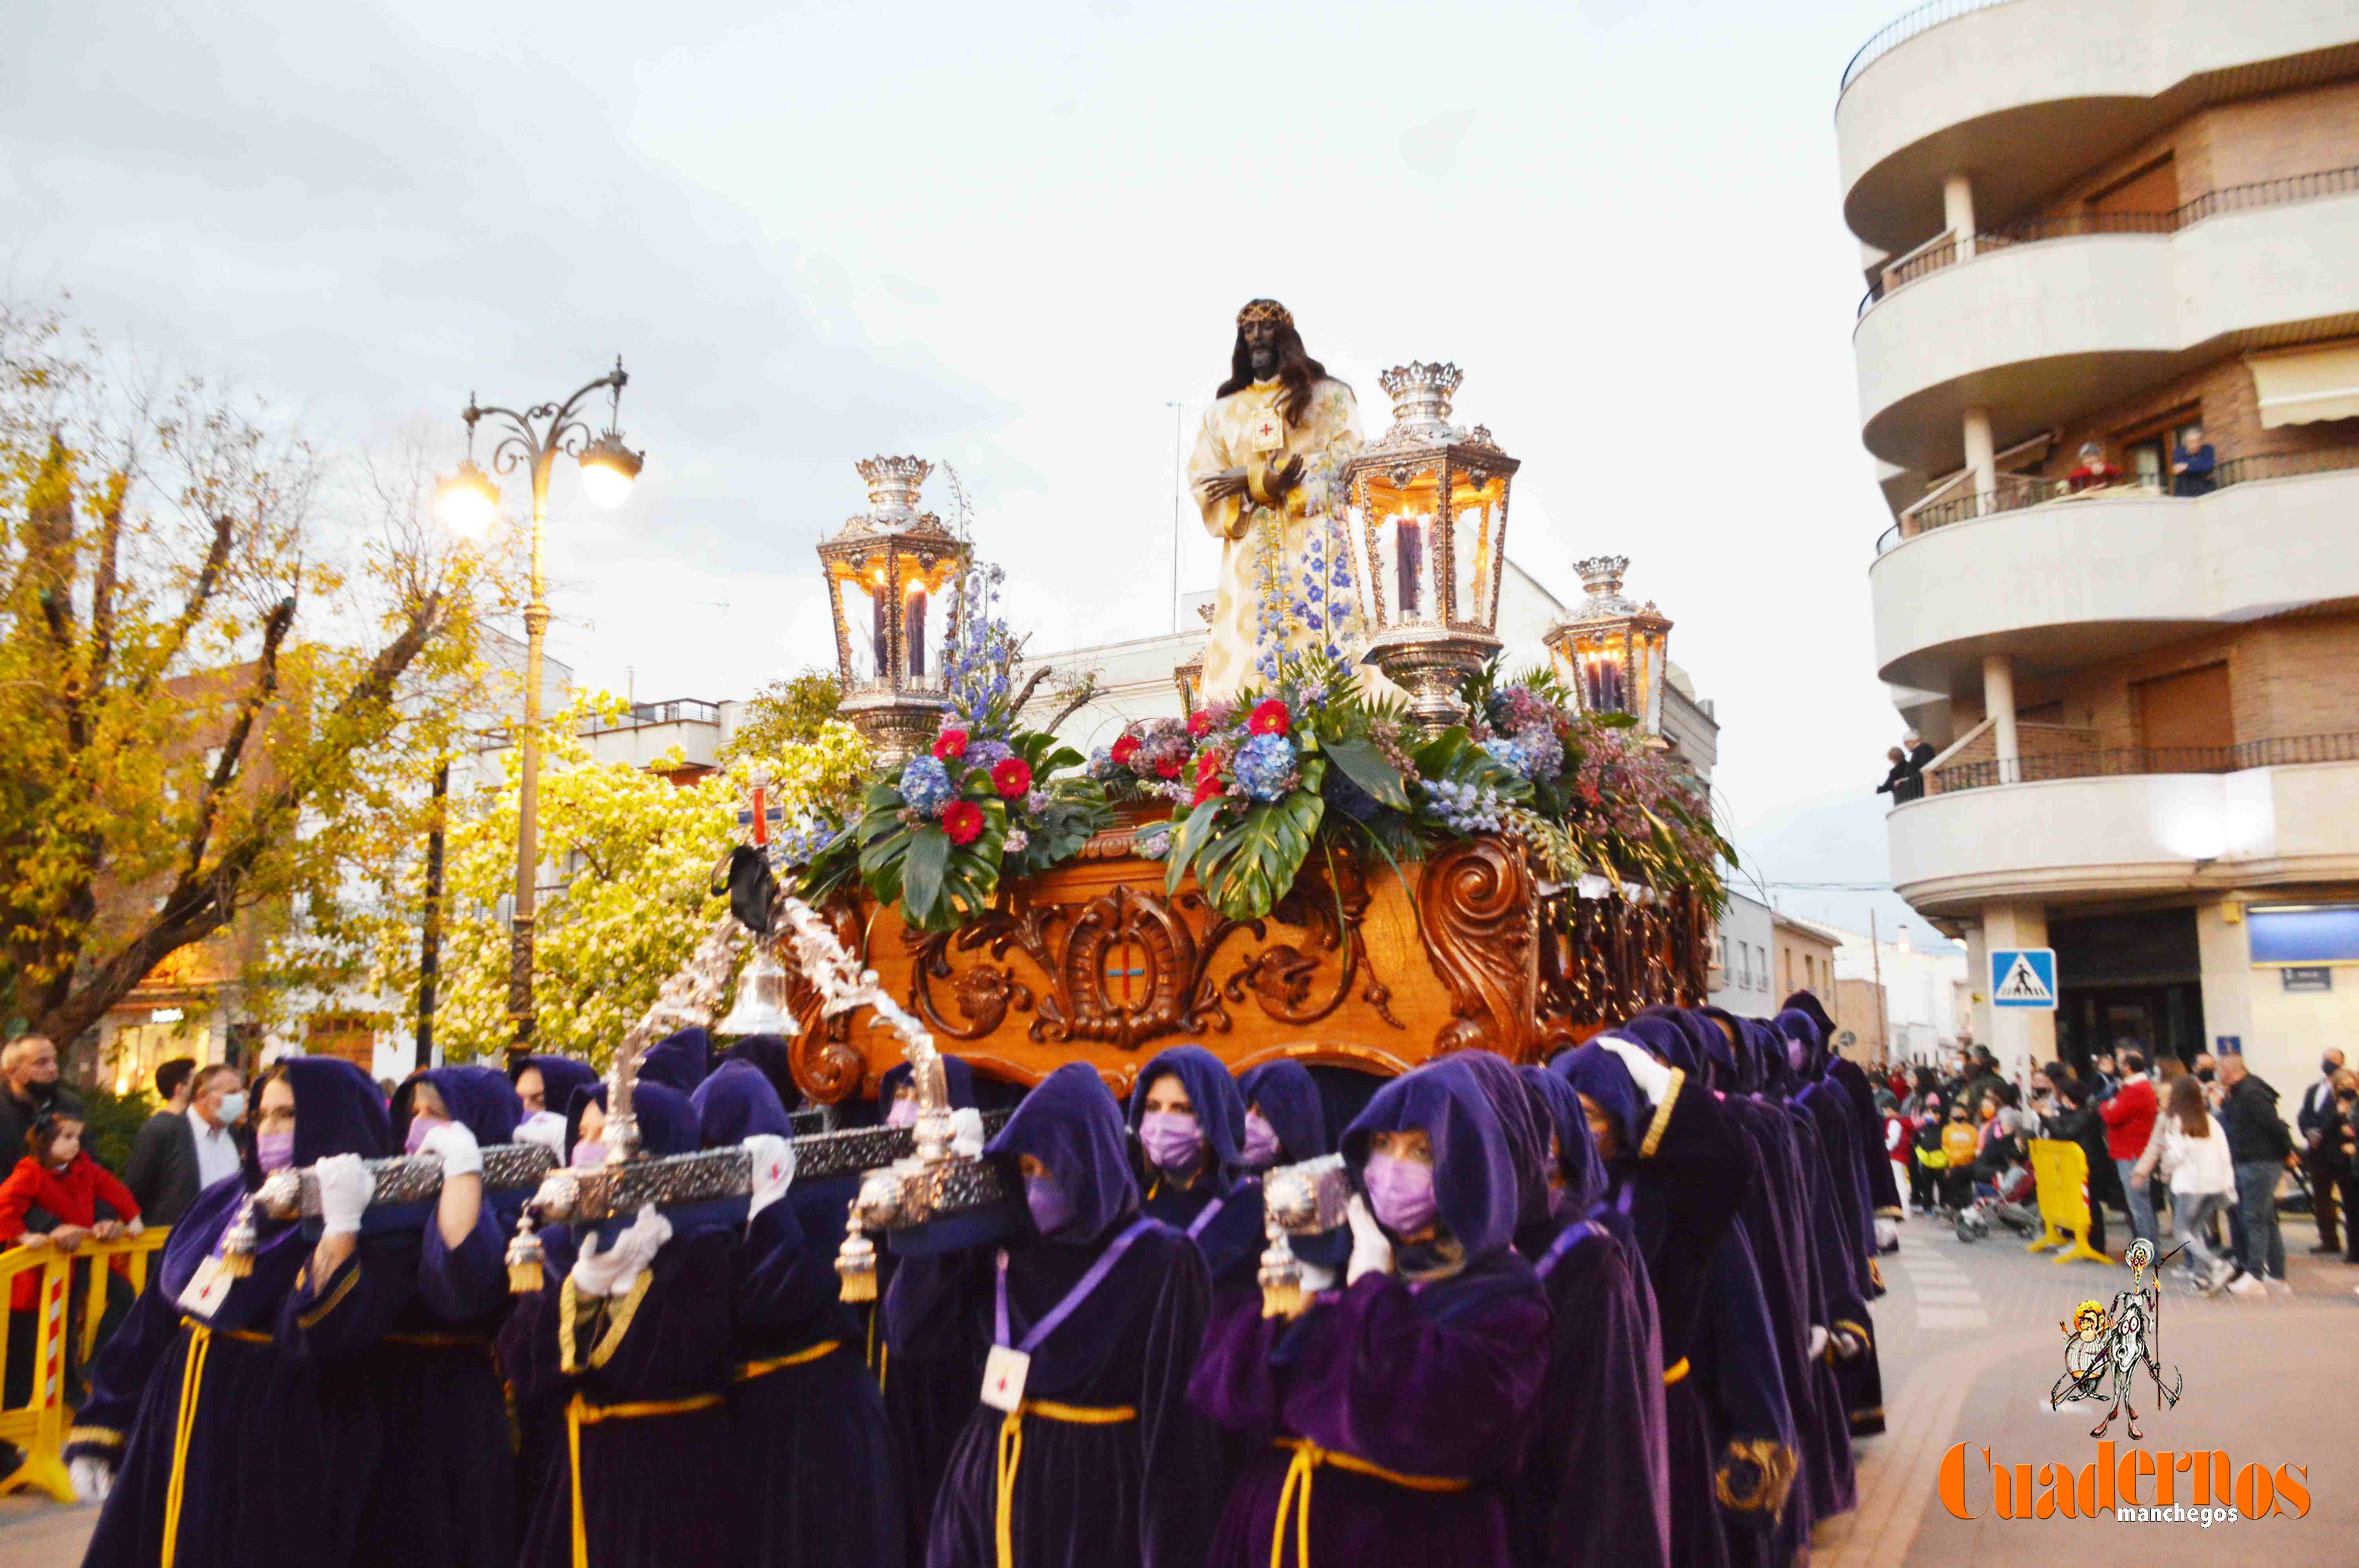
[232,1108]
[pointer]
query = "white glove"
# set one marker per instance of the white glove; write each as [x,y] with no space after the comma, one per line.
[774,1170]
[344,1190]
[594,1273]
[545,1128]
[1654,1079]
[1372,1250]
[93,1477]
[1818,1342]
[1848,1345]
[636,1248]
[1887,1235]
[1314,1277]
[461,1155]
[966,1131]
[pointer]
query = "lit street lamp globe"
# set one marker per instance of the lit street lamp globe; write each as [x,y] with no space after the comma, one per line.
[608,471]
[467,501]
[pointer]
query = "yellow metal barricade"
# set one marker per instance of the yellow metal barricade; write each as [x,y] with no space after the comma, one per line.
[2062,1169]
[38,1426]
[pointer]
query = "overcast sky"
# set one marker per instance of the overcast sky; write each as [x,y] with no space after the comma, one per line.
[1009,237]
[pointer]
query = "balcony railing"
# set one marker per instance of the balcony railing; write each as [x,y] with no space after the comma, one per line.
[1898,31]
[677,710]
[2283,752]
[2018,492]
[1943,251]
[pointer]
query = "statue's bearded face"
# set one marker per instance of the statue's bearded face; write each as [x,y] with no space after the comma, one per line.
[1261,344]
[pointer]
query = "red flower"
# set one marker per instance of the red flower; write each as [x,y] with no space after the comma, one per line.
[1209,763]
[1012,778]
[1270,717]
[950,745]
[1125,750]
[1167,768]
[1200,723]
[1207,788]
[962,820]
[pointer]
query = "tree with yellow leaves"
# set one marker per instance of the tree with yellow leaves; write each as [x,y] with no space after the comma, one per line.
[222,676]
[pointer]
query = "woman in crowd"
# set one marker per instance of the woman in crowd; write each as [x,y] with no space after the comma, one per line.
[2193,1154]
[1191,1122]
[211,1445]
[1082,1450]
[620,1363]
[816,1483]
[1395,1413]
[1597,1490]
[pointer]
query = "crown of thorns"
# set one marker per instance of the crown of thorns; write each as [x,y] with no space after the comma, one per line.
[1264,310]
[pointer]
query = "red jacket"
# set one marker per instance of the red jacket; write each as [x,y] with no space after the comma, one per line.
[73,1195]
[2129,1118]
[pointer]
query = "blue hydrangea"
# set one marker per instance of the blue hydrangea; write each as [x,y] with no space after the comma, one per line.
[1265,767]
[1038,801]
[1507,751]
[804,840]
[1543,751]
[985,755]
[1463,808]
[926,785]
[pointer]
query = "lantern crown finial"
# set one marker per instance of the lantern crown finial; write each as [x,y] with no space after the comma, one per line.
[1421,394]
[1602,576]
[893,488]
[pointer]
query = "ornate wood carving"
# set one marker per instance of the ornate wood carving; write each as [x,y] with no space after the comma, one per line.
[1481,917]
[827,1066]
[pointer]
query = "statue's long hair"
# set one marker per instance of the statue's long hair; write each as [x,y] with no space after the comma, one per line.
[1295,369]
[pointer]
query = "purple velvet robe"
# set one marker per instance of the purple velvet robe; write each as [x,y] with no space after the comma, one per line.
[816,1474]
[1231,1239]
[1134,1493]
[278,1444]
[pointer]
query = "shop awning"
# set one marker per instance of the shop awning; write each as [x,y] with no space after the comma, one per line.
[2300,386]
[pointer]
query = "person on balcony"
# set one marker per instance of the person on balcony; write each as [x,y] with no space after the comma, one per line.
[1901,781]
[2192,463]
[2092,471]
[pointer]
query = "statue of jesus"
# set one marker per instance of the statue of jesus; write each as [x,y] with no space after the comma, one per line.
[1267,475]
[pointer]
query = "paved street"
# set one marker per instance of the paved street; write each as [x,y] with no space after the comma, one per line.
[1970,1348]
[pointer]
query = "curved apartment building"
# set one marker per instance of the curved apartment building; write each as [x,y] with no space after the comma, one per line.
[2131,226]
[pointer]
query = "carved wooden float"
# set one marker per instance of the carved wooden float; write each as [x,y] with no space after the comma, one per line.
[1362,966]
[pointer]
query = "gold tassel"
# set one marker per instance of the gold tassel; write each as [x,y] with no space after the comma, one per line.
[237,1265]
[237,1245]
[525,1275]
[1288,1300]
[855,1264]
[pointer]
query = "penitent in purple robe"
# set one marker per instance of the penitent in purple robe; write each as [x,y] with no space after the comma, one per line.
[275,1448]
[1596,1491]
[1136,1486]
[1217,1206]
[816,1477]
[1438,1381]
[656,1482]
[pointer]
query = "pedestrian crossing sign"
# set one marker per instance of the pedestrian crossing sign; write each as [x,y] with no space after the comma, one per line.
[2023,977]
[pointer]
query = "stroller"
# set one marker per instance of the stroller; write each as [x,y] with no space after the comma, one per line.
[2006,1196]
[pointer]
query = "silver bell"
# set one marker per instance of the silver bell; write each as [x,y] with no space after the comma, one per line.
[760,1007]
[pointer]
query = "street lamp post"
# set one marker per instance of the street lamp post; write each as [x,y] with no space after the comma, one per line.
[469,498]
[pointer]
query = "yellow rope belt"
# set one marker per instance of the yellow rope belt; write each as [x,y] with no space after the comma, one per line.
[1675,1371]
[1294,1494]
[579,1413]
[192,1383]
[1011,1450]
[807,1354]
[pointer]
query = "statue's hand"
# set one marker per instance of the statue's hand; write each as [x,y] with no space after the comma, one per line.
[1221,485]
[1289,476]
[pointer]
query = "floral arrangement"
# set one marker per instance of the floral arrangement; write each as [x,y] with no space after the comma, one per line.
[985,800]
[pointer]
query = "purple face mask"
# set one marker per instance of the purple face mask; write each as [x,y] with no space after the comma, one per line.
[275,1151]
[1052,1209]
[1261,1142]
[1401,1192]
[1794,1054]
[588,1152]
[903,1112]
[1173,1140]
[419,1126]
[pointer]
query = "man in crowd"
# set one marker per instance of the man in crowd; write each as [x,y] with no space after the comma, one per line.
[2128,1116]
[2315,1112]
[29,1085]
[190,1143]
[2259,1146]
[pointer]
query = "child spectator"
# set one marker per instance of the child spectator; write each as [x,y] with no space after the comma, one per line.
[57,1177]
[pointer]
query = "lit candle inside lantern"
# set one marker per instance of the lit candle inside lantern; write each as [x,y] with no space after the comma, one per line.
[913,631]
[1410,555]
[881,629]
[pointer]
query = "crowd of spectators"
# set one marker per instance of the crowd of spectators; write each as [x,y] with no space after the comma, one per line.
[2205,1143]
